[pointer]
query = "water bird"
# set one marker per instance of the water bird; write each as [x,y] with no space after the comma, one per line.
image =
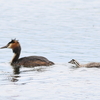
[30,61]
[88,65]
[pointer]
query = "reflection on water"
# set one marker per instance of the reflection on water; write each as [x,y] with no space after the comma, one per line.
[14,78]
[60,31]
[16,72]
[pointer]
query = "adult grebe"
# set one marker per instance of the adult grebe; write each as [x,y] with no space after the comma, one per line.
[88,65]
[30,61]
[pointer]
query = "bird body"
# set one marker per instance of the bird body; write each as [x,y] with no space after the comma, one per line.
[30,61]
[88,65]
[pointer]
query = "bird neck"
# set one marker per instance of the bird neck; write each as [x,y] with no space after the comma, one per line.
[16,52]
[77,64]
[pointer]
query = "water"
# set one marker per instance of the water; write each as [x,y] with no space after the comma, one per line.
[59,30]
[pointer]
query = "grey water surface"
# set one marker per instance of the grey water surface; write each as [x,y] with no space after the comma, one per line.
[59,30]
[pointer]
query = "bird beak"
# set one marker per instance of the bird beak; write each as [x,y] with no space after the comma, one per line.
[3,47]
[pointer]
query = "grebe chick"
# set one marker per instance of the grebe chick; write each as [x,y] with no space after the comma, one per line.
[88,65]
[30,61]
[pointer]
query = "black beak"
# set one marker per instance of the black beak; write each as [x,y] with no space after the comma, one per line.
[3,47]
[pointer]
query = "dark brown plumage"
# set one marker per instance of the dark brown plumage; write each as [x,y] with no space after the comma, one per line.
[31,61]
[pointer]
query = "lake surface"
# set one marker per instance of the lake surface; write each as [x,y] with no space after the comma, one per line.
[59,30]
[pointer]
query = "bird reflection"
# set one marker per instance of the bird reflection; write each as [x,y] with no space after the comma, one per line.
[16,71]
[14,78]
[16,74]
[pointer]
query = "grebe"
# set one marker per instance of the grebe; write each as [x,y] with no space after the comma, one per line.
[88,65]
[30,61]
